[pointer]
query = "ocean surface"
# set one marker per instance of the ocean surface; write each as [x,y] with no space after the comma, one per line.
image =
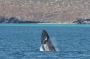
[23,42]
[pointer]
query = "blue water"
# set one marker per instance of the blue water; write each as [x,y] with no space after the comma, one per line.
[23,42]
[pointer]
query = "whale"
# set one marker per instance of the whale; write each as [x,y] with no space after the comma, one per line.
[46,44]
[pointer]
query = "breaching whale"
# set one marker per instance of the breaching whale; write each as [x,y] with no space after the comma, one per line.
[46,44]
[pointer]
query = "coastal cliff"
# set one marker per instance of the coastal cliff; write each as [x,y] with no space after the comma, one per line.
[57,11]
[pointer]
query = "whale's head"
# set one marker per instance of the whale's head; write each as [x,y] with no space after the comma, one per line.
[44,37]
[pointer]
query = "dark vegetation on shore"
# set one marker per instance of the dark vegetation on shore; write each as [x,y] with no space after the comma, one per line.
[81,21]
[15,20]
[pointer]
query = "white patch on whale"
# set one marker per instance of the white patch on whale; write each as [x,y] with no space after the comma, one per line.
[41,49]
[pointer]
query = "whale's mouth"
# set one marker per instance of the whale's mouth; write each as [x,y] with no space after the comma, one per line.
[46,44]
[45,41]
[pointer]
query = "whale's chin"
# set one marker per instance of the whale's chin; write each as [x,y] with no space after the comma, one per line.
[44,47]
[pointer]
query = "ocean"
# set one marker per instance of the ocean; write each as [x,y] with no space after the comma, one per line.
[23,41]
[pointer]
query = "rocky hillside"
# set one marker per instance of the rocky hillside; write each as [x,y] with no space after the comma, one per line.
[63,11]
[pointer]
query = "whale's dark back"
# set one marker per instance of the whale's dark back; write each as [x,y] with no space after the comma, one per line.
[43,36]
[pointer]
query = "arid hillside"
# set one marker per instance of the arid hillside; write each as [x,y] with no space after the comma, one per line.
[46,10]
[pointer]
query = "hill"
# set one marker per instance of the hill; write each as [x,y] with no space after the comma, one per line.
[46,10]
